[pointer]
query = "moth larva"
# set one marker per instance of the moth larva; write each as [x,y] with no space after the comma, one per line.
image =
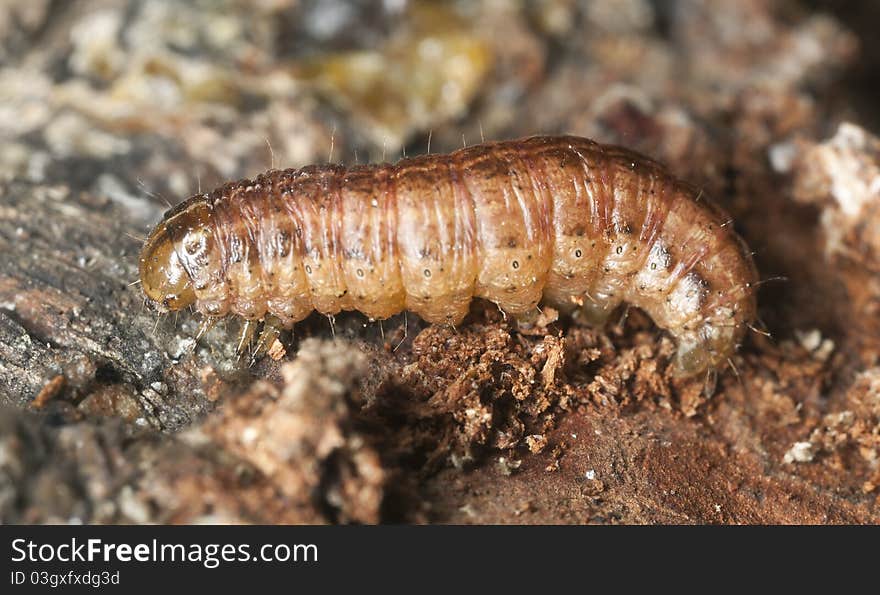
[565,220]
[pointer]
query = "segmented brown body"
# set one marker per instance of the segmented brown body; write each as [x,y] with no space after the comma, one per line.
[563,219]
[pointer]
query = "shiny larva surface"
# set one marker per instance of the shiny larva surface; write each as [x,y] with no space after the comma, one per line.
[561,220]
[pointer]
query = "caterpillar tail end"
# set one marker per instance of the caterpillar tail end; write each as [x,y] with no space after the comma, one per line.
[696,356]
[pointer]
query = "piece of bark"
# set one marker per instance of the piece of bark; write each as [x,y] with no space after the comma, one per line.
[68,308]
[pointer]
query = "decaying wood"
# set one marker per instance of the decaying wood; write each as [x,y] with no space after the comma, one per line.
[67,306]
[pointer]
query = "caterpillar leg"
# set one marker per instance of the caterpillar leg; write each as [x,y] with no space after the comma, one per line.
[593,313]
[527,320]
[690,359]
[272,327]
[710,383]
[206,325]
[245,337]
[708,350]
[584,308]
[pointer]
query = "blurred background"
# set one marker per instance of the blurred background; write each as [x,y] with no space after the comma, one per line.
[129,97]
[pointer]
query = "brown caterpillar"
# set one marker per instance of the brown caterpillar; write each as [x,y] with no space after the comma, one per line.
[565,220]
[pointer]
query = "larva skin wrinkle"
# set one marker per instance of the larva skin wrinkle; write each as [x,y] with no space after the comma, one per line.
[563,220]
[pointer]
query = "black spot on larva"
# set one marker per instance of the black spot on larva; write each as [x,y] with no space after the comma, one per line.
[515,264]
[619,250]
[360,273]
[427,272]
[578,253]
[308,269]
[653,266]
[511,243]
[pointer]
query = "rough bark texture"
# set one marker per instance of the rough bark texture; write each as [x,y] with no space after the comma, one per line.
[108,106]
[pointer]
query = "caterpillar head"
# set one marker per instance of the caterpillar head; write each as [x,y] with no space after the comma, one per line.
[171,253]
